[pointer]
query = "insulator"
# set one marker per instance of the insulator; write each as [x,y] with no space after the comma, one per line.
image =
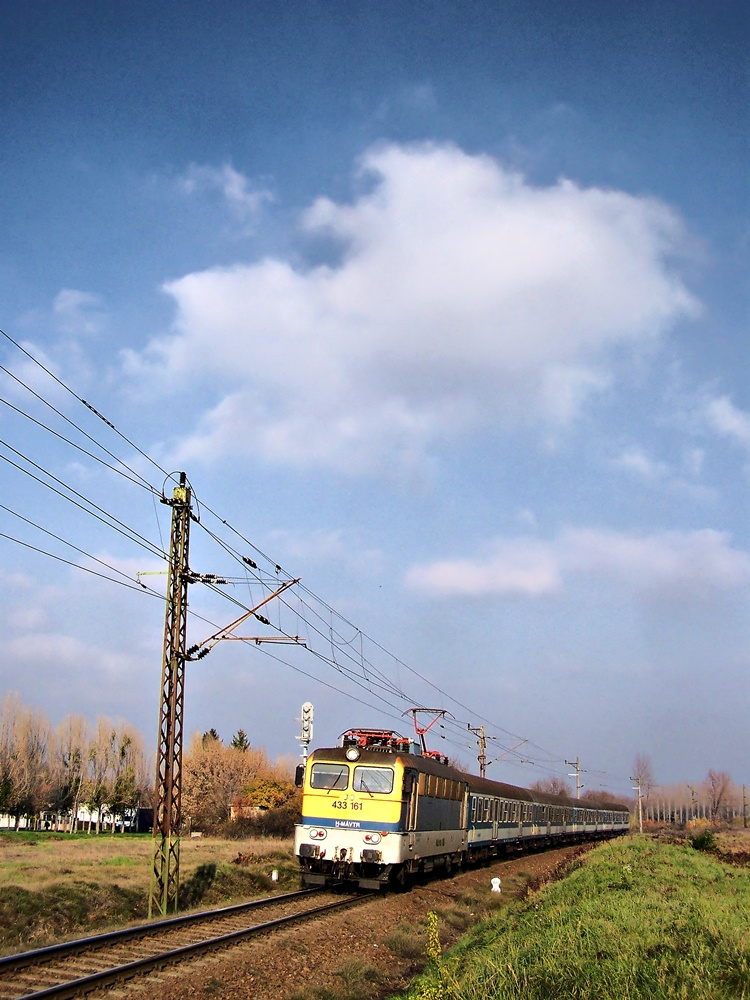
[262,620]
[204,652]
[192,650]
[249,561]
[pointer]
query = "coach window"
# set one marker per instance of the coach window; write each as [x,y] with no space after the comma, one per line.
[329,776]
[373,779]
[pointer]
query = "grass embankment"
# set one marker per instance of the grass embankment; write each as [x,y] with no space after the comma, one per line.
[56,885]
[635,919]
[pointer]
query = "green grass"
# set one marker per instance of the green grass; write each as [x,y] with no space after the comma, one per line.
[636,919]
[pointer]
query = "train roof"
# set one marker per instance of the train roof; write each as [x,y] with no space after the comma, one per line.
[480,786]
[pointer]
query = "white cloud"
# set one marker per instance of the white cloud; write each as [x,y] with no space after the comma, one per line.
[635,461]
[520,566]
[675,566]
[242,197]
[58,651]
[727,419]
[690,564]
[79,314]
[463,296]
[682,479]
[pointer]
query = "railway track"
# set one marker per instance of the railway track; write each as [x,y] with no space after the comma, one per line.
[74,968]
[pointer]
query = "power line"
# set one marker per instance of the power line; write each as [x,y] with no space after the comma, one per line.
[81,400]
[130,533]
[356,674]
[138,481]
[64,541]
[85,569]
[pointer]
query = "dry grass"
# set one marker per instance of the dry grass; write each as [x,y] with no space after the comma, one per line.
[36,861]
[55,885]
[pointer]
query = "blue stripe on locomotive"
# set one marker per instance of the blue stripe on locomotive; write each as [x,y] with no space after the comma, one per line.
[352,824]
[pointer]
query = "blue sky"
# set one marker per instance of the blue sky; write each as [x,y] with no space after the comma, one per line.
[444,308]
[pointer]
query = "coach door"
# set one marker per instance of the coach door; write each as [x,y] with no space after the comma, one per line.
[411,790]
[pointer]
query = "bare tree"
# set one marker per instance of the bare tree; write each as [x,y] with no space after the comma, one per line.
[719,788]
[552,785]
[31,770]
[72,741]
[643,770]
[98,770]
[128,778]
[10,712]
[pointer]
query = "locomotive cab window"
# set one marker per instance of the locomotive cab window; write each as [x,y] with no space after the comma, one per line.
[373,780]
[329,776]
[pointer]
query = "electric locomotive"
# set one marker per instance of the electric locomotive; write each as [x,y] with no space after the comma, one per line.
[380,808]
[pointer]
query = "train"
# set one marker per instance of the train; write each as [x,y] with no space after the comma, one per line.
[380,809]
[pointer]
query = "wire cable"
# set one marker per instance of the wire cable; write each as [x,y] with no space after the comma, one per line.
[362,680]
[130,533]
[80,399]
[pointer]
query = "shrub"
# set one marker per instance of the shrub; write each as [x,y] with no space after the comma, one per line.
[703,841]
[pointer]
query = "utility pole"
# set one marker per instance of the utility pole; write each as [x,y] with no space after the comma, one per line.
[165,875]
[577,774]
[482,757]
[640,808]
[744,807]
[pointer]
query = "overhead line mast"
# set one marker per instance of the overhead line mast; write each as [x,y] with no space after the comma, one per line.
[165,876]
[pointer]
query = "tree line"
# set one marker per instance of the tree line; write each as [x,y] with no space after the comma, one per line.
[715,799]
[48,774]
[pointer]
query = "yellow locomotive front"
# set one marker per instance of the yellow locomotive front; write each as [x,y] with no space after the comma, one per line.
[353,816]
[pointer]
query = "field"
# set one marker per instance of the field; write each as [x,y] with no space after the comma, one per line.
[637,918]
[56,885]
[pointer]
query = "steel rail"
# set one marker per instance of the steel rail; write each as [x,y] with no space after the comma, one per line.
[96,980]
[26,958]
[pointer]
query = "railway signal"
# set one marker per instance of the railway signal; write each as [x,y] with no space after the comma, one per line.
[306,728]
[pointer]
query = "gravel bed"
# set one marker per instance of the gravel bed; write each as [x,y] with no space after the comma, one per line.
[323,956]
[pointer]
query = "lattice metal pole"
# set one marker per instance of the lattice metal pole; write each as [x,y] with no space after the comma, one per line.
[165,876]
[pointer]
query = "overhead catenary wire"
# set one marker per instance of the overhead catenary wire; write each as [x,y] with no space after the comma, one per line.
[85,569]
[64,541]
[139,481]
[378,684]
[81,400]
[107,519]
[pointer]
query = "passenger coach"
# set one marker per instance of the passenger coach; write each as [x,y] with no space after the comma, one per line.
[378,809]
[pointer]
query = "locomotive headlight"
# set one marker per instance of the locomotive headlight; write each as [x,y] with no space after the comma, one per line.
[372,838]
[317,834]
[352,753]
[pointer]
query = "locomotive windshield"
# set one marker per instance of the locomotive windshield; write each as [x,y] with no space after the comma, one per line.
[329,776]
[373,779]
